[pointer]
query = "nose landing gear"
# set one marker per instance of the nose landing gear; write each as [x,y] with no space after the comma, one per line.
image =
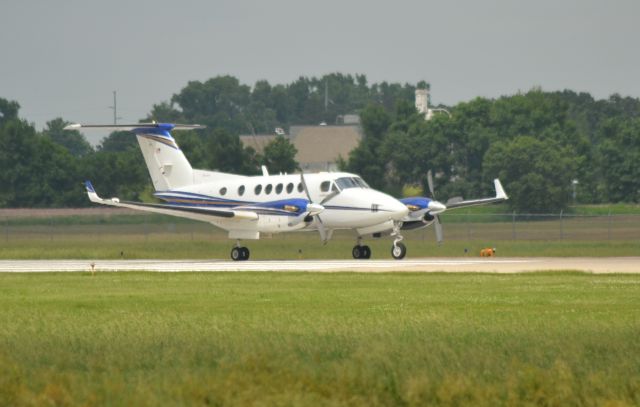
[398,250]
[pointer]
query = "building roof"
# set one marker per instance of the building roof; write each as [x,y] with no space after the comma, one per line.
[318,146]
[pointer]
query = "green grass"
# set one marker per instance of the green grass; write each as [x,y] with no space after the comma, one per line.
[319,339]
[133,237]
[292,246]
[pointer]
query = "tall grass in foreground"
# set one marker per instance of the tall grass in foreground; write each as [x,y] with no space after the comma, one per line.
[319,339]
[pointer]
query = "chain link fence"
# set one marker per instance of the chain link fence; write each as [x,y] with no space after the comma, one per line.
[97,224]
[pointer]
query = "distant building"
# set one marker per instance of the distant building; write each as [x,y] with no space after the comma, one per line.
[348,119]
[318,146]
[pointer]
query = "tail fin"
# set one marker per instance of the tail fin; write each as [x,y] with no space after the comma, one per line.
[167,165]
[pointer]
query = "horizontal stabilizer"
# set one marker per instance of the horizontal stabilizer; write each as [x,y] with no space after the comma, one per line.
[132,127]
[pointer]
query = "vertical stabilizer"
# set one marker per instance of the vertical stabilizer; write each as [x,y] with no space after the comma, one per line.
[168,167]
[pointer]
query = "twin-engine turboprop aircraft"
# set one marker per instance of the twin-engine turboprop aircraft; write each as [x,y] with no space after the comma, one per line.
[247,206]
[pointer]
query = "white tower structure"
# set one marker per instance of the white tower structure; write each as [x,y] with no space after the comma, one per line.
[422,103]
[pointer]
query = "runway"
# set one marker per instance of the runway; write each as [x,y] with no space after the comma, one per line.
[628,265]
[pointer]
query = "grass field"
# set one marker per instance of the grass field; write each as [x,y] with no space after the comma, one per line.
[319,339]
[26,234]
[135,236]
[290,246]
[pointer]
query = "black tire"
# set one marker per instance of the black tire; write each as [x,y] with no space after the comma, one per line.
[398,251]
[236,254]
[356,252]
[245,253]
[366,252]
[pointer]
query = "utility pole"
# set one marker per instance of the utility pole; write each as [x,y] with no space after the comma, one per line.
[115,109]
[326,95]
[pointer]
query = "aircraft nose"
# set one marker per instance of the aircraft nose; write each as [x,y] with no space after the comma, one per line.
[436,207]
[397,209]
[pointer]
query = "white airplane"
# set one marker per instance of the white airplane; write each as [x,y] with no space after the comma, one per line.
[247,206]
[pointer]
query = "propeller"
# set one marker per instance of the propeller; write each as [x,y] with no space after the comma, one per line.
[438,223]
[321,229]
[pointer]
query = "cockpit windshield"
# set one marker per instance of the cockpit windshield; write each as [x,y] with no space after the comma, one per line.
[351,182]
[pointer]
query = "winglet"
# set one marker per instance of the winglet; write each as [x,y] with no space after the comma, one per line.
[499,190]
[93,196]
[87,184]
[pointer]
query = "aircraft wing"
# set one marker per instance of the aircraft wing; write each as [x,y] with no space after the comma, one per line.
[189,212]
[460,203]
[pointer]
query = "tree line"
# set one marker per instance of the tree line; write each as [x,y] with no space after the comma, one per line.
[536,142]
[541,145]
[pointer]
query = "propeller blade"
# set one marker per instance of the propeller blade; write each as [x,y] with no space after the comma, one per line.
[304,186]
[324,236]
[438,226]
[430,183]
[322,230]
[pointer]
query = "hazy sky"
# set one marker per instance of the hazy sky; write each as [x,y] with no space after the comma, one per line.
[64,58]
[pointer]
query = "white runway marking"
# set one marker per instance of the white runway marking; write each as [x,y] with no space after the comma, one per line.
[491,265]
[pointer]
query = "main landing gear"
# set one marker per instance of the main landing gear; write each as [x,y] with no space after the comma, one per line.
[239,253]
[398,250]
[361,252]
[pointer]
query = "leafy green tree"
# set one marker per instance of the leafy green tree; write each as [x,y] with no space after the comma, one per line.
[537,174]
[218,102]
[165,112]
[193,145]
[19,152]
[8,110]
[72,140]
[280,156]
[119,174]
[619,154]
[34,171]
[225,152]
[365,158]
[118,141]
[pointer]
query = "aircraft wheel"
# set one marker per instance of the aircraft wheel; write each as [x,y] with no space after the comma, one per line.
[236,253]
[398,251]
[245,253]
[366,252]
[357,252]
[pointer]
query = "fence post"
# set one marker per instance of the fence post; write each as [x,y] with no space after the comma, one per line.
[6,228]
[561,225]
[513,225]
[609,226]
[468,227]
[51,228]
[146,232]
